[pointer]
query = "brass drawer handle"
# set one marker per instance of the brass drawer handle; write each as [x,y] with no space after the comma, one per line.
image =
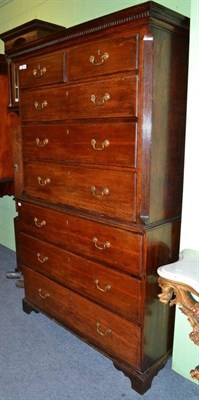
[105,333]
[105,191]
[102,59]
[43,182]
[106,245]
[40,106]
[44,296]
[41,260]
[41,143]
[38,72]
[100,101]
[106,287]
[103,146]
[38,223]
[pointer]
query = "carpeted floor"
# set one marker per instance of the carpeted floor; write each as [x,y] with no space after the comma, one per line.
[39,360]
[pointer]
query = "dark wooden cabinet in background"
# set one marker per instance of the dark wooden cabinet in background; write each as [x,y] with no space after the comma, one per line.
[18,38]
[15,38]
[6,122]
[99,183]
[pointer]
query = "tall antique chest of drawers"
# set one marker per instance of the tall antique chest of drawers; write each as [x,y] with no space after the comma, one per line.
[99,180]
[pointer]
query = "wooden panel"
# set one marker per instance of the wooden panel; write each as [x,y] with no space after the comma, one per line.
[42,71]
[111,193]
[159,252]
[108,143]
[77,234]
[169,113]
[109,331]
[118,292]
[108,98]
[17,157]
[103,57]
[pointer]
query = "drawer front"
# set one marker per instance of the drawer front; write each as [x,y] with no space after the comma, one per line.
[42,71]
[107,98]
[112,333]
[121,249]
[109,143]
[102,57]
[110,193]
[117,291]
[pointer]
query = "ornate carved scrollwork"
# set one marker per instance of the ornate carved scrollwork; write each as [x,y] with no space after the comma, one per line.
[195,373]
[181,295]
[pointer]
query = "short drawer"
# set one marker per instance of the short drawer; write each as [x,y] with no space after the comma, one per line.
[108,143]
[44,70]
[115,335]
[119,248]
[117,291]
[106,192]
[102,57]
[108,98]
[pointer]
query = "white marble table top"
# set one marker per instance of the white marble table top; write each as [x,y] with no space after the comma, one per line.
[185,270]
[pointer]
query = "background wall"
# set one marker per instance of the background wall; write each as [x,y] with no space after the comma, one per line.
[72,12]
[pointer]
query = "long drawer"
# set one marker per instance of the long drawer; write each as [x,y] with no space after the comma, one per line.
[119,248]
[110,193]
[102,57]
[116,97]
[107,144]
[42,70]
[117,291]
[103,328]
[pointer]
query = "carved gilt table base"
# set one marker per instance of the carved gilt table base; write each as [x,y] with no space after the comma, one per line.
[182,295]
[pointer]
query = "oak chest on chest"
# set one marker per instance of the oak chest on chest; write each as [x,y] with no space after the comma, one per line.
[99,189]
